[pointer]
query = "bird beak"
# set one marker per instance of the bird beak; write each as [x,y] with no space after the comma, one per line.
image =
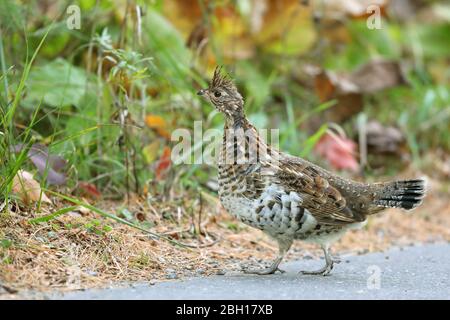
[201,92]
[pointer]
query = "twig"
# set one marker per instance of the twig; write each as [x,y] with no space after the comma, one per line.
[200,214]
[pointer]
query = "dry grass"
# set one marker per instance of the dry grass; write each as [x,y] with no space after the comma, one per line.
[71,252]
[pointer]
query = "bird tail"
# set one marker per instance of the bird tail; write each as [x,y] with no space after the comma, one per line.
[405,194]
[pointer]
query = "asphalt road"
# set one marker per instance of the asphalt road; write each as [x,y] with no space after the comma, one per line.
[417,272]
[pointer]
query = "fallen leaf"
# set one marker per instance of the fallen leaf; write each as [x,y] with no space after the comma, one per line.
[377,75]
[89,190]
[231,35]
[371,77]
[338,9]
[283,27]
[47,164]
[338,151]
[184,14]
[329,86]
[83,210]
[348,88]
[384,139]
[28,189]
[163,164]
[158,124]
[74,214]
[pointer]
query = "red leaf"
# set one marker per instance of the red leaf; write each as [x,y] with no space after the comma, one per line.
[338,151]
[163,164]
[89,190]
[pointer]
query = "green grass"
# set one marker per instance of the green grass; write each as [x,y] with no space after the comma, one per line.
[12,163]
[85,93]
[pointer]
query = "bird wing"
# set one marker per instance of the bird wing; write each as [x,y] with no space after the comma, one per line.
[324,201]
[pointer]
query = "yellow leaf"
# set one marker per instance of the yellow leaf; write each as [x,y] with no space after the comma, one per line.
[286,27]
[158,124]
[154,122]
[151,151]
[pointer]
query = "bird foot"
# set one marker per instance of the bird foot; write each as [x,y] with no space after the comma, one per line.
[323,271]
[264,271]
[336,260]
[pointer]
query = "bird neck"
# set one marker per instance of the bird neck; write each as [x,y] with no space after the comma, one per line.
[237,121]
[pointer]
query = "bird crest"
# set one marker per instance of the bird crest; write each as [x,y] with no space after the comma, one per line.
[220,80]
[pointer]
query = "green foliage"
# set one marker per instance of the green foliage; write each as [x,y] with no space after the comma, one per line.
[165,44]
[6,243]
[433,40]
[58,83]
[11,15]
[87,92]
[52,216]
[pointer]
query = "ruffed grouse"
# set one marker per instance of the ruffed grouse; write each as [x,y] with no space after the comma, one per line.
[288,197]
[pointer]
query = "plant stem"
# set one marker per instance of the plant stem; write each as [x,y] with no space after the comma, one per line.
[3,66]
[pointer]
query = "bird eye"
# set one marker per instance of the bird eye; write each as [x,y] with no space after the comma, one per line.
[217,94]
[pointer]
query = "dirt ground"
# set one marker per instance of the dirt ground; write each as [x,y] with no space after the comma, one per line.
[82,250]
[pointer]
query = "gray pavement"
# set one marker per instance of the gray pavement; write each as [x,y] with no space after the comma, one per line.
[416,272]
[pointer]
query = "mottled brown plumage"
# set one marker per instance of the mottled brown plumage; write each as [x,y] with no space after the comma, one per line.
[288,197]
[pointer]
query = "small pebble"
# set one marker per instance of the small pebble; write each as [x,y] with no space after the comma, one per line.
[200,271]
[171,276]
[220,272]
[91,273]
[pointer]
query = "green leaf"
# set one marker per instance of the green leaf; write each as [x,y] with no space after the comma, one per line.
[150,152]
[166,45]
[5,243]
[434,40]
[257,84]
[58,82]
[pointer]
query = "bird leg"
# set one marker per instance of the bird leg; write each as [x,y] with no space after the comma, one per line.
[330,261]
[283,247]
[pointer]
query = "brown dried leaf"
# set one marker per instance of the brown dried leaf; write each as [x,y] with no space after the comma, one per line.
[28,189]
[231,35]
[338,9]
[384,139]
[328,86]
[348,88]
[377,75]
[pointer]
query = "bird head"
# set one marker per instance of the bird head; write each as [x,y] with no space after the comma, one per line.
[223,95]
